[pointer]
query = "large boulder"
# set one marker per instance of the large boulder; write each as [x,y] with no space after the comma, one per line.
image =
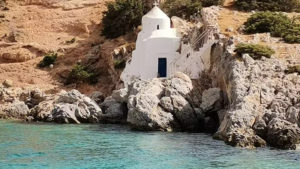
[283,134]
[144,112]
[74,107]
[43,111]
[162,104]
[17,109]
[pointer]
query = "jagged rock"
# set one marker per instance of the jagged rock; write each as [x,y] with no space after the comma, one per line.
[184,113]
[17,109]
[245,138]
[98,97]
[162,104]
[260,127]
[65,113]
[145,115]
[120,95]
[211,100]
[42,112]
[34,97]
[73,107]
[283,134]
[70,97]
[180,84]
[113,111]
[167,104]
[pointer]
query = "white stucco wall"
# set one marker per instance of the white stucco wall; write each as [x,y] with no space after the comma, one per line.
[153,43]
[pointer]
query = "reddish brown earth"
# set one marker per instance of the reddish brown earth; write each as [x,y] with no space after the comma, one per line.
[32,28]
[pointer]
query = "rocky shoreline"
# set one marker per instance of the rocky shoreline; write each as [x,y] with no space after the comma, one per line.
[246,102]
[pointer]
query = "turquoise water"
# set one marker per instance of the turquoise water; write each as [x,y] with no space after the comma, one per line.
[112,147]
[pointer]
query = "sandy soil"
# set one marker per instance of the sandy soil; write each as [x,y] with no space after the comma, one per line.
[32,28]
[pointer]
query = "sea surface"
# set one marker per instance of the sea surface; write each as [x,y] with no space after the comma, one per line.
[112,147]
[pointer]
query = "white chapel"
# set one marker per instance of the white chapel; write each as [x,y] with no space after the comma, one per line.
[156,47]
[159,52]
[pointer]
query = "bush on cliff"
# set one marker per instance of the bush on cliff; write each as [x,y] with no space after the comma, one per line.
[81,73]
[254,50]
[120,63]
[293,69]
[207,3]
[268,5]
[278,24]
[182,8]
[121,17]
[48,60]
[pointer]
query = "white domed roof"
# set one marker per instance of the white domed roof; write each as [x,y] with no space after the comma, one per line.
[156,12]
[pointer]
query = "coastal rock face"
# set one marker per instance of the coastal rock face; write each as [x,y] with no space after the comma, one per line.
[263,101]
[160,104]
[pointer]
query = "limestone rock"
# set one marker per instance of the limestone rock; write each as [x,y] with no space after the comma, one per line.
[283,134]
[211,100]
[113,111]
[98,97]
[161,104]
[120,95]
[43,111]
[185,114]
[73,107]
[17,109]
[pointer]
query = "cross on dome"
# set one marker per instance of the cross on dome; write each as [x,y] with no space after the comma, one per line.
[156,3]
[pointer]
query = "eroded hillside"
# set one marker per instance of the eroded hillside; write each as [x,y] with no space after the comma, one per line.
[29,29]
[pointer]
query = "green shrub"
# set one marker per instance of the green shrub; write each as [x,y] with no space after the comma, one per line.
[278,24]
[292,35]
[81,73]
[254,50]
[120,63]
[207,3]
[268,5]
[48,60]
[182,8]
[122,17]
[293,69]
[267,22]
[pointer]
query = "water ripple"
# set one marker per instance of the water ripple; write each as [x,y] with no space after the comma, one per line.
[113,146]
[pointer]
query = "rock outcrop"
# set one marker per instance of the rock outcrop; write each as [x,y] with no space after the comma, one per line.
[263,101]
[34,105]
[160,104]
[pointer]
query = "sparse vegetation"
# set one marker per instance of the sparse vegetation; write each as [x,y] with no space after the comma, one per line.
[119,63]
[48,60]
[182,8]
[207,3]
[278,24]
[254,50]
[73,40]
[122,17]
[81,73]
[268,5]
[293,69]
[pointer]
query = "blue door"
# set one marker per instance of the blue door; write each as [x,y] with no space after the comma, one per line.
[162,67]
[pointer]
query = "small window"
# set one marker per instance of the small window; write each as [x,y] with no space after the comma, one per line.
[157,27]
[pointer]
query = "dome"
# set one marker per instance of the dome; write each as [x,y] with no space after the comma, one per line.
[156,12]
